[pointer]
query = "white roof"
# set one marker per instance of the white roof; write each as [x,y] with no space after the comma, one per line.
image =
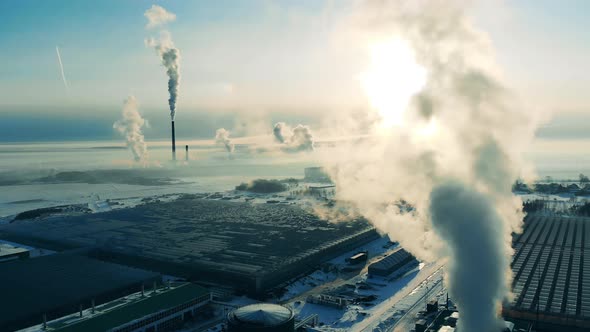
[263,314]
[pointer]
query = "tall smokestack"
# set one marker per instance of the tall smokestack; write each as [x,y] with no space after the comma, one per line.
[186,156]
[173,142]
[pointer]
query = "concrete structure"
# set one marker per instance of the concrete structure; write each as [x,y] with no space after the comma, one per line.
[58,284]
[9,253]
[359,257]
[551,273]
[391,263]
[164,310]
[252,247]
[316,174]
[261,318]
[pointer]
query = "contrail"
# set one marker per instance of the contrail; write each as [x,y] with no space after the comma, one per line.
[61,66]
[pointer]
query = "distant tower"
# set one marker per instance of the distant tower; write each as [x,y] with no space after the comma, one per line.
[186,148]
[173,142]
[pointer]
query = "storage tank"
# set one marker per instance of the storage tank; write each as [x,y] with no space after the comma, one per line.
[261,318]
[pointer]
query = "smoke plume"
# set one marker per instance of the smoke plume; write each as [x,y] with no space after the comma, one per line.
[294,139]
[279,132]
[129,126]
[474,232]
[157,16]
[169,54]
[222,137]
[451,147]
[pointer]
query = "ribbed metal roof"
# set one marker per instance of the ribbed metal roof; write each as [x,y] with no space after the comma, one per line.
[263,314]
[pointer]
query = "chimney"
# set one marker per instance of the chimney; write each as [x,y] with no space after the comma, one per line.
[173,142]
[93,307]
[45,321]
[142,290]
[186,148]
[80,307]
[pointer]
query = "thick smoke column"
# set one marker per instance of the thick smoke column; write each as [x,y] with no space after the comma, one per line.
[222,137]
[296,139]
[129,126]
[169,54]
[454,150]
[468,222]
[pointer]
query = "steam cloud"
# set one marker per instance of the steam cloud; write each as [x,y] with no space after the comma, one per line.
[129,126]
[454,157]
[296,139]
[169,54]
[157,16]
[222,137]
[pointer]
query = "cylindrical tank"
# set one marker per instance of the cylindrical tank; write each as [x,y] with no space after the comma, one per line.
[261,317]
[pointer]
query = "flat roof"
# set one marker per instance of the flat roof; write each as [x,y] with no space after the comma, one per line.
[57,284]
[152,303]
[9,250]
[552,267]
[208,235]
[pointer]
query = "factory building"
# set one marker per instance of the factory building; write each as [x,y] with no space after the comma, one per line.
[261,318]
[551,269]
[391,263]
[316,174]
[250,247]
[165,309]
[56,285]
[9,253]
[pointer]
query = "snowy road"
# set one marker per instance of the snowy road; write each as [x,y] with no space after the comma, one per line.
[392,312]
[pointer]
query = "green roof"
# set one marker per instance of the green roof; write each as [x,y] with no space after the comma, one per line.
[150,304]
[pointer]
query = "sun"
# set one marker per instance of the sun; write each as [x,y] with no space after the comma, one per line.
[392,79]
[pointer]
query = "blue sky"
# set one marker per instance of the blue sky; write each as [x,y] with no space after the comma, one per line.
[252,56]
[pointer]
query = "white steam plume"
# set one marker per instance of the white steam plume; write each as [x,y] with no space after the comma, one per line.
[451,146]
[222,137]
[170,56]
[279,132]
[295,139]
[157,16]
[129,126]
[61,67]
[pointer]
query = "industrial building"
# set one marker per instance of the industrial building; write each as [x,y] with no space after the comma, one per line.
[261,318]
[316,174]
[165,309]
[252,247]
[551,269]
[391,263]
[56,285]
[359,257]
[9,252]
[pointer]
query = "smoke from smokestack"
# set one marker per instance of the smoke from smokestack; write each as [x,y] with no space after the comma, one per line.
[157,16]
[296,139]
[169,54]
[222,137]
[474,233]
[129,126]
[279,131]
[455,148]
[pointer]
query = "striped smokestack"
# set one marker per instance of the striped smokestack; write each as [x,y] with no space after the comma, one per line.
[173,142]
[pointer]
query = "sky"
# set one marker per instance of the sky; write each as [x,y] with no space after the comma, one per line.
[246,59]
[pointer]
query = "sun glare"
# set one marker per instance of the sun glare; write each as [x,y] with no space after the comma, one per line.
[392,79]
